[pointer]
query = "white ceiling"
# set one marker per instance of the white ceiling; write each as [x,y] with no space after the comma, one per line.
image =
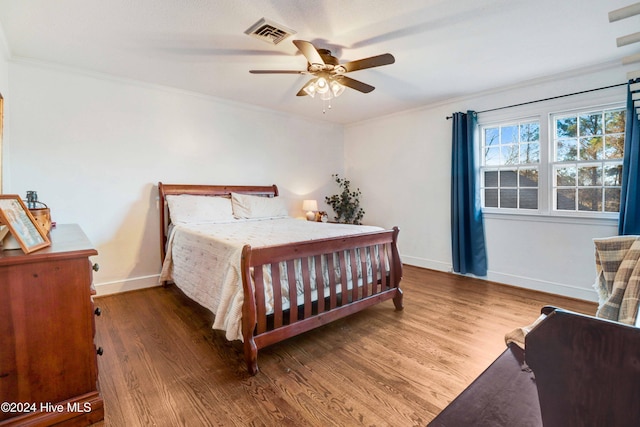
[443,48]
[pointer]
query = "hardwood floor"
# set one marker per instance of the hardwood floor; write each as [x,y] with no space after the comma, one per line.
[163,365]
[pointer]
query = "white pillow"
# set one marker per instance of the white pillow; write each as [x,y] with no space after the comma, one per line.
[187,208]
[246,206]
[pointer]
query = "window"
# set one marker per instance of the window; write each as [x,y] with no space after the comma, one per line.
[587,166]
[570,165]
[511,157]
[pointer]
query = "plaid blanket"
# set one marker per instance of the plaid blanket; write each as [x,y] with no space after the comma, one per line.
[618,278]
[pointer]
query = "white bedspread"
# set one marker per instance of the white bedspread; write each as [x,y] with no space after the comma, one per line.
[203,260]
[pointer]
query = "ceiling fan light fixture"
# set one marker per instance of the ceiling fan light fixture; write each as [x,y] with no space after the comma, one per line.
[322,86]
[336,88]
[310,90]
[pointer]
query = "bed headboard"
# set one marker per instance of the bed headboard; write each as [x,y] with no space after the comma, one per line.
[165,190]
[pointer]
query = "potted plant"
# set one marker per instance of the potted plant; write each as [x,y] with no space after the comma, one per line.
[346,204]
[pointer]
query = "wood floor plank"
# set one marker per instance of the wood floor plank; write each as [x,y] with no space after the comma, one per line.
[163,365]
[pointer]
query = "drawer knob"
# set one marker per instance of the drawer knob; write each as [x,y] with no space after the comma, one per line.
[96,267]
[99,351]
[97,311]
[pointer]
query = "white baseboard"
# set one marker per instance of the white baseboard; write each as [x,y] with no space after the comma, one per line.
[126,285]
[563,289]
[587,294]
[426,263]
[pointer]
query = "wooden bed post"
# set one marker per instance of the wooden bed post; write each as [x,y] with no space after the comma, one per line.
[397,269]
[249,315]
[163,226]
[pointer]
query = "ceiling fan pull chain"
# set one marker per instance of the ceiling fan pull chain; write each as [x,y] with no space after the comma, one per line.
[325,107]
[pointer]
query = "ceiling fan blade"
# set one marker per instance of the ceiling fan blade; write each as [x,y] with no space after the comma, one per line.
[302,91]
[354,84]
[374,61]
[309,51]
[277,72]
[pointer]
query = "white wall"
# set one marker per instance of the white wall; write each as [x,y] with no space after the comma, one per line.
[402,165]
[94,149]
[4,90]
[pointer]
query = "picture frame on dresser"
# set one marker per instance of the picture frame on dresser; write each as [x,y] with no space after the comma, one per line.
[22,225]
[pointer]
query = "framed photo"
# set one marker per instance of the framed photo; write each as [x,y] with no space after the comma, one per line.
[24,228]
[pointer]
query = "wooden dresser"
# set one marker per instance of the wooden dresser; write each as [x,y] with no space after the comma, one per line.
[48,359]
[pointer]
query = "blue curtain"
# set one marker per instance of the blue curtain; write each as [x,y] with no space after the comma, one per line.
[467,227]
[629,222]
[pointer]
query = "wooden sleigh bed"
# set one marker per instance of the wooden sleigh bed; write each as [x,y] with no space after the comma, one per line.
[326,278]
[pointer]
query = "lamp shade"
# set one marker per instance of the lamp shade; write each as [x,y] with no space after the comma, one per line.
[322,85]
[310,88]
[336,88]
[309,205]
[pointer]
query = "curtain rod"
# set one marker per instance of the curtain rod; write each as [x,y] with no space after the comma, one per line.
[547,99]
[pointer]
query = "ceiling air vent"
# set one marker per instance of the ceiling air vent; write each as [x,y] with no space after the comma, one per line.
[269,31]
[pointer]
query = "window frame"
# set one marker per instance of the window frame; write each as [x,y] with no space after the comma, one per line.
[503,167]
[544,112]
[555,164]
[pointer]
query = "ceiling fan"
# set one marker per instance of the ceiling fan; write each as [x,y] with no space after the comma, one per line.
[329,75]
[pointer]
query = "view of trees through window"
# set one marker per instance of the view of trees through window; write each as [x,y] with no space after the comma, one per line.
[583,160]
[587,169]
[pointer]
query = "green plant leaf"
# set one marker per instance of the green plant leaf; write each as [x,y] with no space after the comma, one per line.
[346,204]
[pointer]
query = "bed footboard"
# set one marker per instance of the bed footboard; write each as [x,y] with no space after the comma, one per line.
[313,283]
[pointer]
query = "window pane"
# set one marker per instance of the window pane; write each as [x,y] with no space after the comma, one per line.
[491,136]
[591,124]
[530,153]
[491,198]
[614,121]
[509,134]
[491,178]
[566,176]
[566,199]
[613,175]
[614,146]
[591,148]
[612,200]
[567,149]
[589,175]
[529,198]
[508,179]
[566,127]
[590,199]
[529,132]
[509,155]
[509,198]
[492,156]
[528,177]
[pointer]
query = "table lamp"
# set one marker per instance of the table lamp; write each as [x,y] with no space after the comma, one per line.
[310,206]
